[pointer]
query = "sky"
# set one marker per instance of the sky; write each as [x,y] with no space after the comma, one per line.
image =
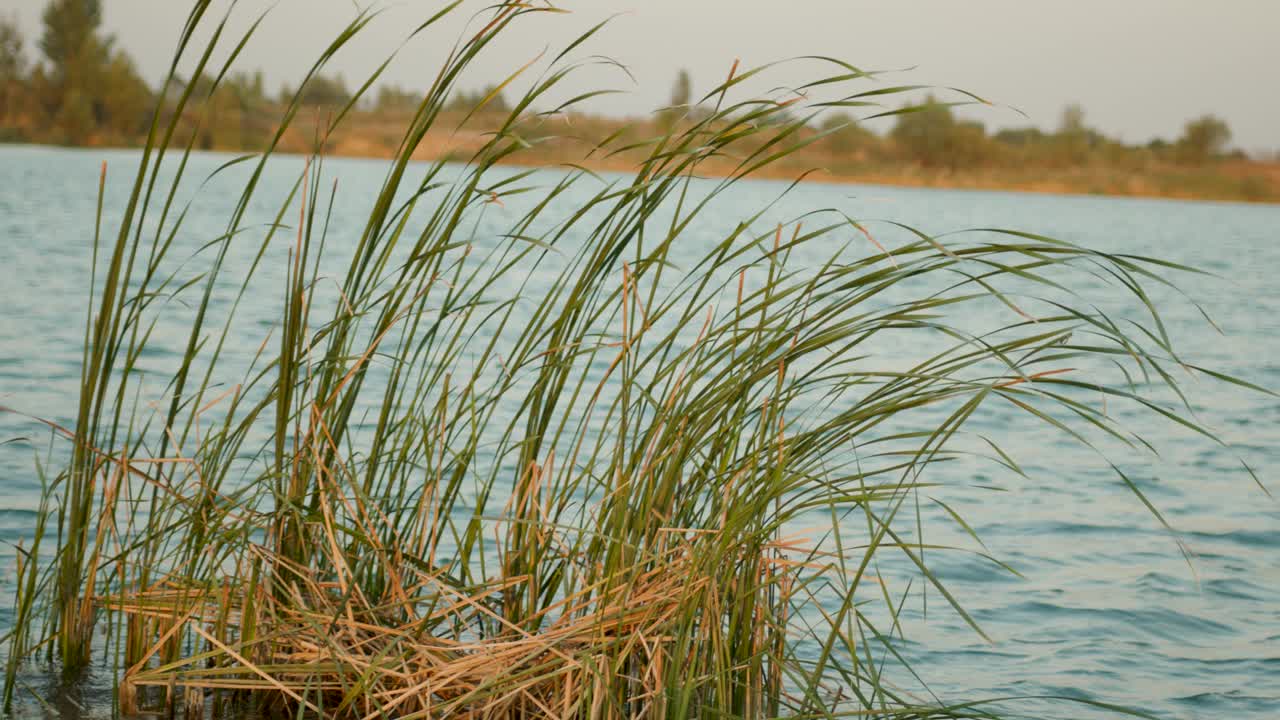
[1139,68]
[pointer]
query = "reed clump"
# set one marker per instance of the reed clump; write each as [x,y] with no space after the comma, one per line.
[523,444]
[420,651]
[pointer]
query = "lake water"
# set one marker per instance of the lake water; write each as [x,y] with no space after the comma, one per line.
[1108,608]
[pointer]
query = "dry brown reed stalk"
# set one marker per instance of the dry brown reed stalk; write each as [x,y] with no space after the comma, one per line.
[320,646]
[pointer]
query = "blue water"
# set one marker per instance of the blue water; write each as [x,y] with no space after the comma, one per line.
[1107,608]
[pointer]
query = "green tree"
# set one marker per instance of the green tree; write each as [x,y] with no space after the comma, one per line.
[250,90]
[682,90]
[71,44]
[1021,137]
[86,81]
[1203,139]
[75,115]
[123,97]
[68,25]
[13,66]
[923,132]
[12,61]
[499,102]
[1072,120]
[395,99]
[244,98]
[323,90]
[846,135]
[234,114]
[681,96]
[1074,138]
[463,101]
[225,123]
[930,135]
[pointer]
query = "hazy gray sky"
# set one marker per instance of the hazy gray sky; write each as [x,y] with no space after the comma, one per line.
[1140,68]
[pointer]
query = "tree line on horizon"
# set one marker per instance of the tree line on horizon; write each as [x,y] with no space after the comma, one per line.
[84,89]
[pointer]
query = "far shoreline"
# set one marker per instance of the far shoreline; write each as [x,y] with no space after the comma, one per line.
[953,181]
